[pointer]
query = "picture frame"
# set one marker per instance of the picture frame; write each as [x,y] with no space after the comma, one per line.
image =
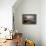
[29,18]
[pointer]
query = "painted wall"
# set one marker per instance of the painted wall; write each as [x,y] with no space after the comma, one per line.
[29,31]
[43,22]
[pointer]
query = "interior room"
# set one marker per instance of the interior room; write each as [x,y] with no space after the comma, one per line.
[22,23]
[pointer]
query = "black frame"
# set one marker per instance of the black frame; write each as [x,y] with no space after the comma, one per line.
[29,18]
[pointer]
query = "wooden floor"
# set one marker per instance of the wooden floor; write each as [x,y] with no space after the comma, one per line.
[9,43]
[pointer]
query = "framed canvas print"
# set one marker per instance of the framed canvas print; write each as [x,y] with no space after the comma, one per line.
[29,18]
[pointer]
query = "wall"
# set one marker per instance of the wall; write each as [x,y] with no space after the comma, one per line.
[30,31]
[6,13]
[43,22]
